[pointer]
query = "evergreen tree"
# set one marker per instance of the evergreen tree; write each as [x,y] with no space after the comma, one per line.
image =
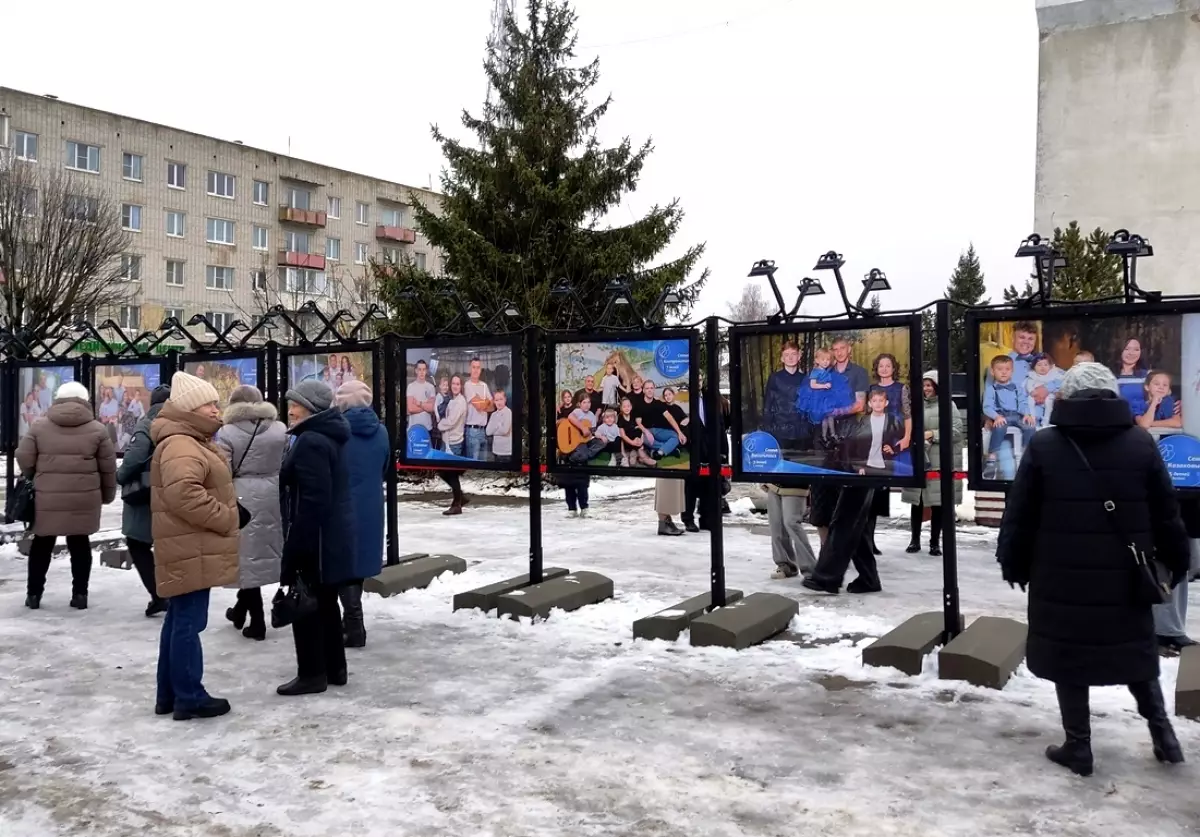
[1091,273]
[875,304]
[967,287]
[525,203]
[928,340]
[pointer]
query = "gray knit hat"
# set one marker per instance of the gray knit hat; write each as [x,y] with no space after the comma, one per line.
[314,396]
[1083,376]
[245,394]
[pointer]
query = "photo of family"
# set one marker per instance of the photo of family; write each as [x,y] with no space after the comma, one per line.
[121,396]
[624,404]
[826,401]
[226,374]
[459,404]
[334,368]
[36,388]
[1155,358]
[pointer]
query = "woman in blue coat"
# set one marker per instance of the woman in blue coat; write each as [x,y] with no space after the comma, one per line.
[368,456]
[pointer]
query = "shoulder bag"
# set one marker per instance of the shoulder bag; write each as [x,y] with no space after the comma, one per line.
[243,512]
[19,506]
[1152,581]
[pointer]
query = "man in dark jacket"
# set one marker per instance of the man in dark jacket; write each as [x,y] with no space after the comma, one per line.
[320,545]
[133,475]
[1087,624]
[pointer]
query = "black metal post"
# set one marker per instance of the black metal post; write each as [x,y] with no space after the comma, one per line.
[391,423]
[1127,279]
[272,382]
[947,456]
[8,380]
[533,428]
[711,393]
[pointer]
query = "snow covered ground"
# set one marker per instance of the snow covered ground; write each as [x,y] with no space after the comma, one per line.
[459,724]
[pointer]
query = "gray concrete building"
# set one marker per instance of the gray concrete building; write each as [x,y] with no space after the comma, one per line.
[1118,126]
[218,227]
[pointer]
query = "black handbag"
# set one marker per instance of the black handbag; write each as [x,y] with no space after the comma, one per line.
[19,506]
[1151,581]
[294,604]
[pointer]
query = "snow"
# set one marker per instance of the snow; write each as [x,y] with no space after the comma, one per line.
[463,724]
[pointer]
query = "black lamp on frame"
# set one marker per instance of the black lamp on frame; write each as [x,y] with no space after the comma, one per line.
[874,282]
[1130,247]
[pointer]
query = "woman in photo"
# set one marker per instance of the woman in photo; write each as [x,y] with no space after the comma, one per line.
[108,412]
[886,370]
[347,370]
[31,411]
[1131,375]
[452,423]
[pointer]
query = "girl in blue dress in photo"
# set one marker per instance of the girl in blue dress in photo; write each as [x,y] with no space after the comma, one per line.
[822,393]
[1158,407]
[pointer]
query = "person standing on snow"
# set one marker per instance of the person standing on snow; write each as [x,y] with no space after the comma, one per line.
[133,475]
[368,457]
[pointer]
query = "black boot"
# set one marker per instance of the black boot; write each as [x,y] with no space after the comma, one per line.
[689,523]
[1075,754]
[156,607]
[1151,706]
[79,601]
[252,601]
[237,613]
[914,545]
[354,631]
[935,548]
[33,602]
[212,707]
[303,686]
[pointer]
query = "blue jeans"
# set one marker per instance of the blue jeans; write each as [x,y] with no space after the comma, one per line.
[476,442]
[180,658]
[455,448]
[665,440]
[999,434]
[576,496]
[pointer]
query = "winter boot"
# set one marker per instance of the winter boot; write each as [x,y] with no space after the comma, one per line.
[257,629]
[303,686]
[33,602]
[666,527]
[1151,706]
[914,546]
[237,613]
[1075,754]
[156,607]
[689,523]
[935,548]
[455,508]
[211,708]
[79,601]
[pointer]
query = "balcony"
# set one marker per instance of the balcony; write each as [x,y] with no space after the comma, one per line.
[401,234]
[308,261]
[308,217]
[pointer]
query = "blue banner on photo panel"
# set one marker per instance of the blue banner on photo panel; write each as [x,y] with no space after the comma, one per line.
[1182,455]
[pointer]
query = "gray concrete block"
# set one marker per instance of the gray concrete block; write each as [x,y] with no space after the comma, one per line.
[568,592]
[413,574]
[669,624]
[116,558]
[411,556]
[985,654]
[746,622]
[484,598]
[906,646]
[1187,685]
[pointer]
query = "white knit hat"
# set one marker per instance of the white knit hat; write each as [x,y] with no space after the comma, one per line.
[1083,376]
[72,389]
[189,392]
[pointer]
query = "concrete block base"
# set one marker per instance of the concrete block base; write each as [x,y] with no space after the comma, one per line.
[412,574]
[905,647]
[985,654]
[1187,685]
[746,622]
[669,624]
[116,558]
[568,592]
[484,598]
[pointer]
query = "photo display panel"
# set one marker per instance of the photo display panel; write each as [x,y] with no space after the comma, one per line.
[36,386]
[333,367]
[225,373]
[121,396]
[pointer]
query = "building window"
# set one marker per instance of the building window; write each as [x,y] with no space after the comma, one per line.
[131,166]
[175,273]
[82,208]
[176,175]
[303,281]
[392,217]
[362,213]
[221,185]
[258,279]
[29,202]
[362,252]
[83,157]
[218,278]
[262,192]
[175,313]
[131,268]
[393,255]
[219,231]
[334,208]
[295,242]
[129,317]
[25,146]
[260,238]
[299,198]
[175,224]
[131,217]
[333,249]
[219,320]
[420,260]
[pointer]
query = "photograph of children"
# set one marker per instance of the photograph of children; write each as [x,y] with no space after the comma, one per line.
[37,385]
[334,368]
[226,374]
[1023,362]
[624,404]
[458,404]
[121,396]
[826,402]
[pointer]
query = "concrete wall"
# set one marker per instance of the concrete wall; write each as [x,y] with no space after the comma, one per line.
[1119,126]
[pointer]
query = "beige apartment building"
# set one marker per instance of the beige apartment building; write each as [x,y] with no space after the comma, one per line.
[217,227]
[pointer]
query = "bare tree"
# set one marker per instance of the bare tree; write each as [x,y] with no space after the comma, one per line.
[63,253]
[752,307]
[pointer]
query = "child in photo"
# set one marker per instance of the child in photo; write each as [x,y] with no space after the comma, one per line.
[1006,404]
[877,436]
[566,404]
[1043,374]
[1161,408]
[1083,356]
[500,427]
[609,386]
[610,435]
[822,394]
[633,442]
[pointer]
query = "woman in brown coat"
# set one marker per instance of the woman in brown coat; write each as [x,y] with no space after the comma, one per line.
[194,515]
[74,471]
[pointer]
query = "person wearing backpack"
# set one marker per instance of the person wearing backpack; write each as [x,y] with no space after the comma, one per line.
[133,475]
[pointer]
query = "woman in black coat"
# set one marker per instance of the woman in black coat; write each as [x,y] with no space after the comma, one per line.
[1086,627]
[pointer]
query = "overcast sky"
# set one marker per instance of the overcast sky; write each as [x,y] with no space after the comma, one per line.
[895,133]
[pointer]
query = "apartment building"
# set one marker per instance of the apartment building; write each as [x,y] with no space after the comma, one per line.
[217,227]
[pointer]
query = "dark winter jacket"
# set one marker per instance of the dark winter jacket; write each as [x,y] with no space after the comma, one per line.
[858,446]
[368,457]
[320,542]
[1085,627]
[1189,510]
[780,417]
[135,519]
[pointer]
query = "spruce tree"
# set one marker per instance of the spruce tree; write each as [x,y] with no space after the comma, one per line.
[967,287]
[525,202]
[1091,273]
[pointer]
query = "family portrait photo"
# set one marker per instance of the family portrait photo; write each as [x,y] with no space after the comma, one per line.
[624,404]
[35,393]
[121,396]
[827,402]
[459,403]
[1155,358]
[334,368]
[225,374]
